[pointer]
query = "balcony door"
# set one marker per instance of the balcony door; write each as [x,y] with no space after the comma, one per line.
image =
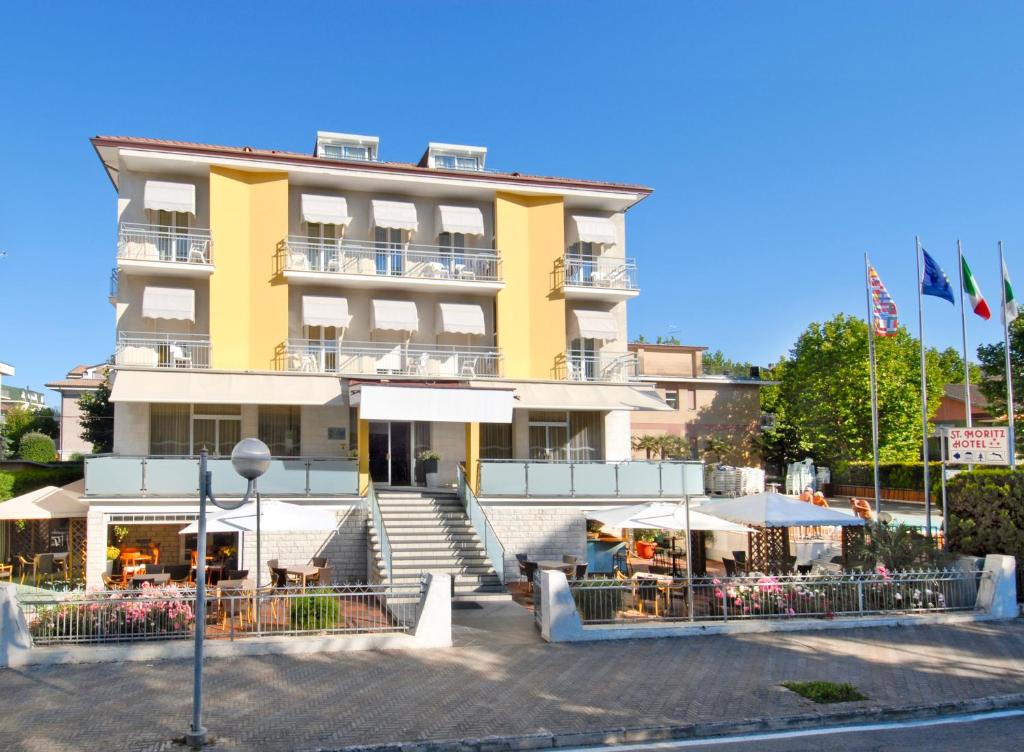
[390,250]
[391,453]
[218,434]
[172,241]
[584,362]
[549,435]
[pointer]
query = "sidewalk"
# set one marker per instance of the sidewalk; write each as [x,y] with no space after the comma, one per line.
[500,679]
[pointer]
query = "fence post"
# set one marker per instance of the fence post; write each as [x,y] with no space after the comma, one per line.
[526,477]
[725,600]
[860,597]
[572,479]
[661,481]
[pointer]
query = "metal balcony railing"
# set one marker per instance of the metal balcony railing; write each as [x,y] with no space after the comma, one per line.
[163,350]
[637,479]
[373,259]
[396,359]
[141,242]
[600,272]
[588,365]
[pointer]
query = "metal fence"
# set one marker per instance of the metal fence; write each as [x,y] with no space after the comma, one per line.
[642,599]
[600,272]
[395,359]
[168,613]
[370,258]
[589,365]
[168,350]
[142,242]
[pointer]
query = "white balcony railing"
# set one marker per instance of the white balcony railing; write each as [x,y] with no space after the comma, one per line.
[588,365]
[600,272]
[163,350]
[372,259]
[396,359]
[140,242]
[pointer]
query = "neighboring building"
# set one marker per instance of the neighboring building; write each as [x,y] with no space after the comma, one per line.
[79,381]
[17,396]
[952,409]
[704,406]
[352,313]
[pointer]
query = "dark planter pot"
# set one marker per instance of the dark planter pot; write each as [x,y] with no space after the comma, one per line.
[429,466]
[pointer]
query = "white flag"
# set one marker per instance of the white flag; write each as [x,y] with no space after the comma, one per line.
[1010,307]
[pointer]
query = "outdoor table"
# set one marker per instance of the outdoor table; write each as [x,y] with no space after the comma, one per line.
[554,564]
[304,573]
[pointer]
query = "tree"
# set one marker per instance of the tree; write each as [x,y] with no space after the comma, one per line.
[21,420]
[824,392]
[649,445]
[97,419]
[952,366]
[993,371]
[37,447]
[715,362]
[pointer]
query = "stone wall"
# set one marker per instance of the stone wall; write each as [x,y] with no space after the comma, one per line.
[172,545]
[545,532]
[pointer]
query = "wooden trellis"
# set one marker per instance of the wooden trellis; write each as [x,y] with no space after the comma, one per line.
[769,549]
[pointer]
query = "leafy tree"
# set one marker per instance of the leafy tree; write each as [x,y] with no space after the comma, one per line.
[672,340]
[37,447]
[21,420]
[824,392]
[993,369]
[716,362]
[649,445]
[781,443]
[952,367]
[97,419]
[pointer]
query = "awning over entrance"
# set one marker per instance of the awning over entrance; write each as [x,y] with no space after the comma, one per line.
[225,388]
[174,197]
[600,397]
[397,215]
[47,503]
[176,303]
[394,315]
[436,404]
[465,219]
[325,210]
[460,318]
[596,325]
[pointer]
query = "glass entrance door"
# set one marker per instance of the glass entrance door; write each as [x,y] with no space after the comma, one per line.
[380,448]
[391,453]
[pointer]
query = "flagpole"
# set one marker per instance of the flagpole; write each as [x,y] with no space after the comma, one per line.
[1011,418]
[963,334]
[924,393]
[874,385]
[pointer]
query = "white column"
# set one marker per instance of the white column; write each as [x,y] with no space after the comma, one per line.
[95,548]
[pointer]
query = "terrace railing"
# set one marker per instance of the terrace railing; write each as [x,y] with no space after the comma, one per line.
[412,261]
[482,525]
[600,272]
[539,478]
[163,350]
[393,359]
[142,242]
[168,613]
[608,601]
[589,365]
[382,532]
[120,475]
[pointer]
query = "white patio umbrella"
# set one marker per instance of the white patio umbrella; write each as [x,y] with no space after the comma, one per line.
[664,516]
[775,510]
[276,517]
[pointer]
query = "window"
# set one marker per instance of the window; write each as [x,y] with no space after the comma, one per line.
[454,162]
[169,429]
[691,399]
[345,151]
[587,436]
[672,398]
[455,242]
[169,225]
[584,360]
[216,428]
[389,242]
[495,441]
[280,429]
[549,435]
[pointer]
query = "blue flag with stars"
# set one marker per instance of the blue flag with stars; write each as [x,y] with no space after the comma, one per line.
[934,281]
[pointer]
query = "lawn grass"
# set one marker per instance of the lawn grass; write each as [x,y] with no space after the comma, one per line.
[825,691]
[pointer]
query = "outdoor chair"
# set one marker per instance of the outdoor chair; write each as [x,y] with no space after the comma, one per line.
[236,574]
[24,567]
[568,559]
[740,557]
[790,564]
[804,568]
[522,557]
[529,569]
[581,571]
[730,567]
[647,589]
[155,568]
[44,568]
[319,561]
[325,577]
[179,573]
[109,582]
[228,600]
[279,576]
[6,572]
[273,564]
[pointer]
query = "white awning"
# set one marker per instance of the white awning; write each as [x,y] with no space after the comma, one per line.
[465,219]
[169,303]
[47,503]
[596,325]
[398,215]
[436,404]
[171,386]
[175,197]
[600,397]
[322,311]
[394,315]
[460,318]
[325,210]
[595,230]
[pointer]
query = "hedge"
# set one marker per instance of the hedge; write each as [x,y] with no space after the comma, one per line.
[37,447]
[909,475]
[17,482]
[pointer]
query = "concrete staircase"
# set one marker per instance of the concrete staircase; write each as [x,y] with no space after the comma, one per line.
[430,532]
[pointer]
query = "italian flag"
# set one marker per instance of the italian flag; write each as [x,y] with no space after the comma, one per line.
[1010,310]
[978,304]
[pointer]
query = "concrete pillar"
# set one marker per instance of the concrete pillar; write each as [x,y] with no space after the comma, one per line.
[617,439]
[95,548]
[364,457]
[473,456]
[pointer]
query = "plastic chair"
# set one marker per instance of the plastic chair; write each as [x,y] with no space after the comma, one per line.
[730,567]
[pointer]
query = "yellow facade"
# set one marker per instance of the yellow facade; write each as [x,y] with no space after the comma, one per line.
[530,326]
[473,456]
[248,303]
[363,442]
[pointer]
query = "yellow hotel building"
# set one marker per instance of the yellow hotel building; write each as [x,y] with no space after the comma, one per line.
[363,317]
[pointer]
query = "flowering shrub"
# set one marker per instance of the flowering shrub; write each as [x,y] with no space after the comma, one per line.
[155,612]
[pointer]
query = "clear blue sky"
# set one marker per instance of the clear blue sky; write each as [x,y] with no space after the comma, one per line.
[782,139]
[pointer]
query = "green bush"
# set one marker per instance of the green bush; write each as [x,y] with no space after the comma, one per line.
[6,486]
[986,513]
[598,600]
[825,691]
[908,475]
[29,479]
[317,610]
[37,447]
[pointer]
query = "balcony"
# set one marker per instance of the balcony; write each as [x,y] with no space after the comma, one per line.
[590,365]
[159,250]
[115,475]
[538,478]
[148,350]
[368,264]
[392,359]
[598,278]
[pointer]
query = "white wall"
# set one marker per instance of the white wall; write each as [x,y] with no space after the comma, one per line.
[130,290]
[315,422]
[448,440]
[541,532]
[617,438]
[131,196]
[131,428]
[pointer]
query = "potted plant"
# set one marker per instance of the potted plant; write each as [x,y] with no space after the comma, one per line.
[112,553]
[428,460]
[644,542]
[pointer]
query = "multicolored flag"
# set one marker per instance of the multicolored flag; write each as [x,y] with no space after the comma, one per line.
[978,304]
[934,281]
[885,318]
[1010,306]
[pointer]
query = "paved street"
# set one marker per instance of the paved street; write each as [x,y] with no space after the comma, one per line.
[500,679]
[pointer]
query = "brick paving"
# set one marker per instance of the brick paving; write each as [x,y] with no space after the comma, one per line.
[500,679]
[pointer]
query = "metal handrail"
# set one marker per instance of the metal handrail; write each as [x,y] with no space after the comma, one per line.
[600,272]
[162,349]
[380,259]
[590,365]
[482,525]
[382,531]
[145,242]
[393,358]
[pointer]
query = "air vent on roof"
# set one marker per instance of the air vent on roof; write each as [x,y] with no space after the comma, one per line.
[455,157]
[346,146]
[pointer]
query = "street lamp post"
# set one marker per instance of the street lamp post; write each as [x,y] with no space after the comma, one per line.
[250,458]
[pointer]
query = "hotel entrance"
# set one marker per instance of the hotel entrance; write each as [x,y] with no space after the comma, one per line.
[391,453]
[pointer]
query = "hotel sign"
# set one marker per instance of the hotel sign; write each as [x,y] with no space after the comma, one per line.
[979,446]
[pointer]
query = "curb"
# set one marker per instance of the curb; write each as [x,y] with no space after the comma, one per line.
[711,730]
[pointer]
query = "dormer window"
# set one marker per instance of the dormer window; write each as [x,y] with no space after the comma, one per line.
[453,162]
[346,147]
[455,157]
[340,151]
